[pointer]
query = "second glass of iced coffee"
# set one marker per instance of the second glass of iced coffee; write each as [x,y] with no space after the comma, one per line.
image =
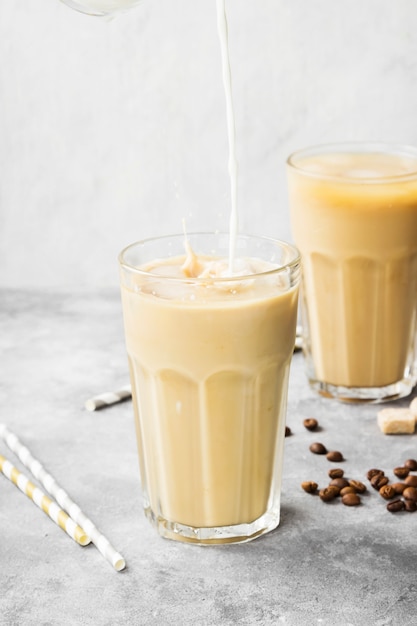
[354,220]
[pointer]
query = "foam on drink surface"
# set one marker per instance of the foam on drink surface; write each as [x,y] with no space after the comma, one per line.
[358,166]
[206,279]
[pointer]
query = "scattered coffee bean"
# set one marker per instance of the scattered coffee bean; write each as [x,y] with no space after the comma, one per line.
[411,481]
[373,472]
[349,490]
[318,448]
[310,423]
[335,456]
[329,493]
[411,464]
[309,486]
[358,486]
[378,481]
[410,506]
[395,506]
[288,432]
[401,472]
[410,493]
[351,499]
[337,472]
[339,482]
[387,492]
[399,487]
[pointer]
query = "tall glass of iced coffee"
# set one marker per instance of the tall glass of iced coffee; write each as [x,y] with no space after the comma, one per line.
[209,349]
[354,220]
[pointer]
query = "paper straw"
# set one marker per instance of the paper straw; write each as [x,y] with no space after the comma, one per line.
[63,499]
[43,502]
[109,398]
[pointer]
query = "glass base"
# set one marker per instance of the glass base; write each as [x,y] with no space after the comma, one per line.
[239,533]
[371,395]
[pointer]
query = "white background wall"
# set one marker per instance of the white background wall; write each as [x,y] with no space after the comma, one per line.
[112,131]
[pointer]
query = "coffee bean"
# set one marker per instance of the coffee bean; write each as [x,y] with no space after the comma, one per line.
[395,506]
[351,499]
[399,487]
[318,448]
[328,493]
[346,490]
[387,492]
[411,464]
[411,481]
[309,486]
[358,486]
[378,481]
[288,432]
[339,482]
[410,505]
[373,472]
[410,493]
[310,423]
[401,472]
[335,456]
[337,472]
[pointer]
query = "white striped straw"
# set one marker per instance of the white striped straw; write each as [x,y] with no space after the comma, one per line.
[109,398]
[52,487]
[43,502]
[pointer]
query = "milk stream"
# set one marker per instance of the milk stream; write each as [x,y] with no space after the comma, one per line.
[233,166]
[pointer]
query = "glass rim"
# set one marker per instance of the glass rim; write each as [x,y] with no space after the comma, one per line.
[291,263]
[354,147]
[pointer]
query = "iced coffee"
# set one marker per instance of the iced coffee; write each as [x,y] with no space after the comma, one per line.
[354,219]
[209,353]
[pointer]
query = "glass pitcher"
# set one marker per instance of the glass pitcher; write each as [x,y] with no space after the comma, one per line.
[101,7]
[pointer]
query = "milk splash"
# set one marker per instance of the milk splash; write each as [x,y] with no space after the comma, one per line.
[233,166]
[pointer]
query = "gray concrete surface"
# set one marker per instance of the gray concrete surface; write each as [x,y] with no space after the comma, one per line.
[325,564]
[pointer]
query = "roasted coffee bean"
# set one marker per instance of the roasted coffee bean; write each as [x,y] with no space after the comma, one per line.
[351,499]
[329,493]
[346,490]
[411,464]
[335,456]
[378,481]
[395,506]
[309,486]
[339,482]
[373,472]
[401,472]
[410,493]
[410,505]
[318,448]
[411,481]
[288,432]
[358,486]
[399,487]
[337,472]
[310,423]
[387,492]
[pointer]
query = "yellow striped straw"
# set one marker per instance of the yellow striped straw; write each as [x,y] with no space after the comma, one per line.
[51,486]
[47,505]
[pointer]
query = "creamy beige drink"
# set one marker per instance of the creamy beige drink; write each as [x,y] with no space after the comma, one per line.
[354,219]
[209,358]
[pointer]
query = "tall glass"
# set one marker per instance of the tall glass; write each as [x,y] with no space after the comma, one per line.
[354,220]
[209,357]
